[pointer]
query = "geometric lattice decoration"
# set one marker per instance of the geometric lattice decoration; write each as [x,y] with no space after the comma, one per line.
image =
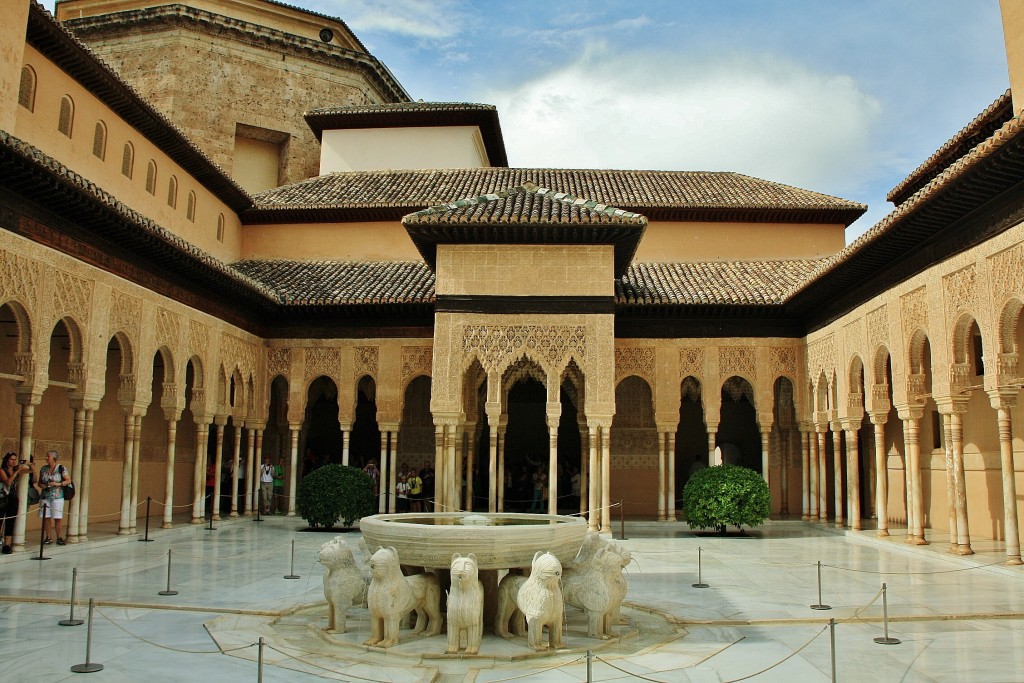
[72,295]
[322,362]
[278,363]
[878,328]
[635,361]
[914,308]
[782,361]
[552,345]
[960,291]
[737,360]
[366,361]
[1006,273]
[19,279]
[416,361]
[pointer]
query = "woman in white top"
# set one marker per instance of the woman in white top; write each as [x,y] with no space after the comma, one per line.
[53,477]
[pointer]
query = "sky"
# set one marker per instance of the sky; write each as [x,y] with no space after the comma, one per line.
[844,98]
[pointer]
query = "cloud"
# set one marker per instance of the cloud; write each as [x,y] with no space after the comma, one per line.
[755,114]
[424,19]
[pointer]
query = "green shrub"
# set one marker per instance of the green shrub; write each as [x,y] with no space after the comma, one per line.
[334,492]
[726,495]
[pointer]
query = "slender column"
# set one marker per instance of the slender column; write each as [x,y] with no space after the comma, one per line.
[492,461]
[1003,405]
[805,474]
[385,493]
[86,475]
[853,476]
[258,434]
[251,480]
[963,531]
[584,468]
[552,465]
[765,434]
[438,503]
[785,444]
[133,511]
[393,469]
[594,492]
[77,450]
[218,465]
[670,513]
[947,439]
[712,430]
[458,466]
[454,482]
[822,474]
[606,478]
[471,463]
[125,522]
[837,465]
[878,421]
[916,499]
[236,462]
[501,465]
[293,473]
[662,482]
[28,417]
[344,444]
[199,474]
[812,474]
[172,438]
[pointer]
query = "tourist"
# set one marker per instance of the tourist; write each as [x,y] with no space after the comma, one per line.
[370,470]
[266,484]
[279,502]
[539,484]
[402,493]
[308,462]
[574,489]
[415,491]
[10,470]
[211,483]
[427,475]
[53,477]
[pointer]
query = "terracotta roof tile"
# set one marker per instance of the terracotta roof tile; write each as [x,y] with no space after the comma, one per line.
[712,283]
[387,108]
[339,283]
[978,130]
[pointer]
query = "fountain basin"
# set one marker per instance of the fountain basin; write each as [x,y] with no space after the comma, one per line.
[500,540]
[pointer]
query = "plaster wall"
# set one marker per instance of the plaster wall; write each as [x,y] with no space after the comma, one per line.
[369,241]
[256,164]
[39,128]
[12,42]
[1013,33]
[525,270]
[370,149]
[718,241]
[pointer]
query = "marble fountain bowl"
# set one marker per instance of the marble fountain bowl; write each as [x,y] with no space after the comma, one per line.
[500,540]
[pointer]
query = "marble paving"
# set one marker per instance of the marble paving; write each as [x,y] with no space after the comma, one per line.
[959,618]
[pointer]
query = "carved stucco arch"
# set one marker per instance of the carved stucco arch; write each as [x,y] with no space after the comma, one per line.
[691,386]
[23,323]
[915,351]
[960,334]
[747,390]
[821,393]
[1009,318]
[198,402]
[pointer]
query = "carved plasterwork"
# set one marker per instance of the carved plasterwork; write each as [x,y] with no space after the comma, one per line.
[637,360]
[737,387]
[853,337]
[551,345]
[878,327]
[737,360]
[72,294]
[125,314]
[198,339]
[691,362]
[821,356]
[960,291]
[914,308]
[236,351]
[20,278]
[279,363]
[367,358]
[690,390]
[322,361]
[782,361]
[168,327]
[1006,272]
[416,360]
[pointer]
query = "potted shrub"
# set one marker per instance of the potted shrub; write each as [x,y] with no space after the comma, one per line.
[726,495]
[334,492]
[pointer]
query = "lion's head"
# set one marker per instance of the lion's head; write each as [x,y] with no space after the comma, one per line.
[336,553]
[546,567]
[464,569]
[384,563]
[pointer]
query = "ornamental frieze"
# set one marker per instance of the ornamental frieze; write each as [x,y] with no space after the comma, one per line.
[960,292]
[72,295]
[168,327]
[737,360]
[691,362]
[1007,273]
[126,315]
[416,361]
[278,363]
[198,340]
[322,362]
[19,279]
[366,361]
[878,328]
[914,309]
[635,361]
[554,345]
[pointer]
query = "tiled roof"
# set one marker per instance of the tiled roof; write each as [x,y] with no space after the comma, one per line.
[712,283]
[51,38]
[975,132]
[659,195]
[336,283]
[525,204]
[399,107]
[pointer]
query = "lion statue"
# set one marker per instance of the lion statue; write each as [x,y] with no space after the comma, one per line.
[344,583]
[593,588]
[392,595]
[539,600]
[465,605]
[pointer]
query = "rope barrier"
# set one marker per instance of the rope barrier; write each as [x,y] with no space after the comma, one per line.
[783,660]
[173,649]
[899,573]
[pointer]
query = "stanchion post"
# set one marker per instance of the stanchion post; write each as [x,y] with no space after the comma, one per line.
[819,604]
[88,667]
[42,534]
[622,519]
[832,646]
[700,583]
[292,574]
[259,504]
[71,621]
[145,538]
[885,639]
[211,527]
[168,591]
[259,670]
[590,666]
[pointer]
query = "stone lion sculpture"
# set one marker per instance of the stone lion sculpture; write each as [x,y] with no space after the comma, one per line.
[344,583]
[465,605]
[592,587]
[619,585]
[537,598]
[392,595]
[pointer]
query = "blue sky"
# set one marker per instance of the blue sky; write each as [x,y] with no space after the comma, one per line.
[845,98]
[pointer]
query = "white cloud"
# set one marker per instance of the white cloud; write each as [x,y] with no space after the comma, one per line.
[425,19]
[758,115]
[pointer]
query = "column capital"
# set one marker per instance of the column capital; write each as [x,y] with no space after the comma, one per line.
[850,425]
[1003,399]
[83,403]
[667,427]
[948,405]
[598,421]
[909,412]
[134,408]
[878,417]
[172,414]
[26,397]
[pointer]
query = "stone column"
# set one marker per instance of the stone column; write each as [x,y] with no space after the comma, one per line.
[345,438]
[766,431]
[785,444]
[86,472]
[502,429]
[963,532]
[28,416]
[133,511]
[584,468]
[947,439]
[385,494]
[199,475]
[1004,403]
[438,503]
[812,474]
[218,465]
[393,469]
[293,471]
[853,474]
[805,473]
[911,417]
[670,513]
[837,466]
[471,463]
[258,434]
[712,430]
[822,473]
[77,449]
[459,448]
[493,411]
[552,420]
[606,478]
[594,490]
[878,421]
[124,524]
[172,438]
[251,480]
[662,481]
[236,462]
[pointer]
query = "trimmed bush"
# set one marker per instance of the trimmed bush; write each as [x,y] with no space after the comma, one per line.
[334,492]
[726,495]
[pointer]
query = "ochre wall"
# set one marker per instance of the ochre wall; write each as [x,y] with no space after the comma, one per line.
[367,149]
[373,241]
[1013,33]
[711,241]
[525,270]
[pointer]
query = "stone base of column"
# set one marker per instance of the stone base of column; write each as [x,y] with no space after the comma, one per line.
[919,540]
[1013,561]
[839,524]
[82,538]
[882,533]
[964,550]
[198,520]
[291,513]
[167,525]
[73,539]
[124,532]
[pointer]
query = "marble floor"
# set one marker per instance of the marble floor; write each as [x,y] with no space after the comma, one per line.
[959,618]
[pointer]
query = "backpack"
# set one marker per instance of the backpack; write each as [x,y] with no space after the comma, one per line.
[69,488]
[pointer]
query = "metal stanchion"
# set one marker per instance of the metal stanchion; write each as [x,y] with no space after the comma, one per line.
[89,666]
[590,666]
[146,538]
[259,670]
[292,574]
[258,497]
[71,621]
[820,605]
[42,534]
[700,583]
[885,639]
[168,591]
[211,527]
[622,519]
[832,646]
